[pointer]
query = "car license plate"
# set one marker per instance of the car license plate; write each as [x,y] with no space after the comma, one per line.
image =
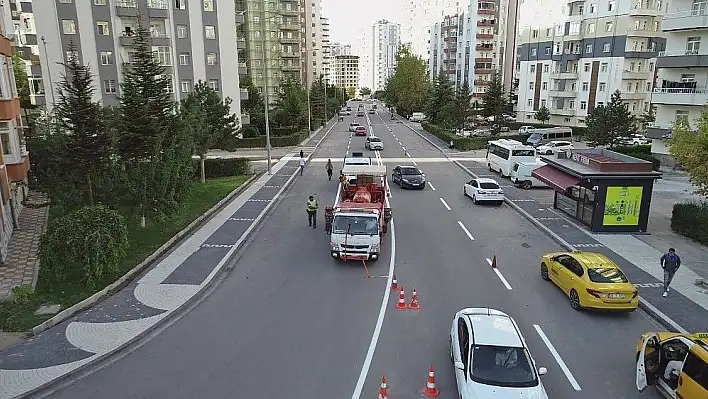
[615,296]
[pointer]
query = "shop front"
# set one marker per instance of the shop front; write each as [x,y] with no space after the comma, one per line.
[604,190]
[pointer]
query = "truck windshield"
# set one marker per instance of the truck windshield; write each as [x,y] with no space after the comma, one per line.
[356,225]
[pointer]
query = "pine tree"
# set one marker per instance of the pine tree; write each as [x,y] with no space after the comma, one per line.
[317,102]
[607,124]
[86,134]
[254,106]
[543,115]
[463,105]
[291,105]
[494,99]
[440,96]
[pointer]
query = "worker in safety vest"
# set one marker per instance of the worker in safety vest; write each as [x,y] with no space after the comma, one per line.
[312,212]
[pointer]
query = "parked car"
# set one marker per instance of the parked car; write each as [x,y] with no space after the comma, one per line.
[484,190]
[554,146]
[635,139]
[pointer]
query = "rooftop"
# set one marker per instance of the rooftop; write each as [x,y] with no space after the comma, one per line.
[493,327]
[600,162]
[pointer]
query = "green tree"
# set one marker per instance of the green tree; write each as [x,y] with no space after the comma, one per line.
[351,92]
[463,105]
[254,106]
[317,102]
[211,119]
[291,105]
[543,115]
[690,149]
[407,89]
[494,101]
[21,80]
[647,118]
[81,120]
[365,91]
[608,123]
[440,95]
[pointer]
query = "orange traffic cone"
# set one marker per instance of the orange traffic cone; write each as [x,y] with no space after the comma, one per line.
[394,283]
[383,391]
[401,305]
[430,390]
[414,301]
[494,262]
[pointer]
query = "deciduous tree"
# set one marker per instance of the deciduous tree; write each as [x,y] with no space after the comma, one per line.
[407,89]
[253,106]
[365,91]
[691,150]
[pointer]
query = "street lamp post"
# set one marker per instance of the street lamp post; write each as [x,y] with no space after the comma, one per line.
[49,71]
[266,100]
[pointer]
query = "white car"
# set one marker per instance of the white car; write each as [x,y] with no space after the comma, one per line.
[491,358]
[353,126]
[635,139]
[483,190]
[374,143]
[554,146]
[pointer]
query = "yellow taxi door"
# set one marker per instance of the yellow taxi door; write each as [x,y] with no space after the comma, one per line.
[693,380]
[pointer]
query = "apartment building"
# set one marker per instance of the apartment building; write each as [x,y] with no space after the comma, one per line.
[312,45]
[421,15]
[14,164]
[23,32]
[682,85]
[386,40]
[471,46]
[346,73]
[326,48]
[604,46]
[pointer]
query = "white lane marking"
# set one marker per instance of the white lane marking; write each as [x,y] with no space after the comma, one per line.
[500,275]
[431,186]
[465,230]
[445,204]
[404,148]
[558,358]
[414,162]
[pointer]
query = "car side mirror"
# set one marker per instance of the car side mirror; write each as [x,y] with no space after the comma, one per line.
[542,371]
[459,365]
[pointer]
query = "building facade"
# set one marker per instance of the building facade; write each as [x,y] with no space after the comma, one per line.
[682,85]
[346,73]
[23,32]
[312,44]
[385,40]
[326,48]
[421,15]
[14,163]
[573,67]
[471,46]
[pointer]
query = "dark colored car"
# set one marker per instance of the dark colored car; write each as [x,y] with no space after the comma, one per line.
[360,131]
[408,177]
[349,108]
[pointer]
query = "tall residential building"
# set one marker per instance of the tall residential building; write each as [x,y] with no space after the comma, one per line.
[421,15]
[471,46]
[682,85]
[14,163]
[386,40]
[23,32]
[573,67]
[193,40]
[346,72]
[326,47]
[312,45]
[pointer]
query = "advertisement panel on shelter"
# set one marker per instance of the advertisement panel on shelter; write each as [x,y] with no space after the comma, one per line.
[622,205]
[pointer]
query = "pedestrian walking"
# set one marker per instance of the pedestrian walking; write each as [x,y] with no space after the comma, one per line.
[670,262]
[302,165]
[312,212]
[329,168]
[302,154]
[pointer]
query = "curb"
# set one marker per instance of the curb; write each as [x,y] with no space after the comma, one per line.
[643,304]
[127,277]
[87,367]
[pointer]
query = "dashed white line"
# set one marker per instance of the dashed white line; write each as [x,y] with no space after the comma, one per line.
[462,226]
[404,148]
[558,358]
[445,204]
[500,275]
[431,186]
[413,162]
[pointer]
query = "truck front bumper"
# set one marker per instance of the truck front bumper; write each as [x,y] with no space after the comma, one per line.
[357,256]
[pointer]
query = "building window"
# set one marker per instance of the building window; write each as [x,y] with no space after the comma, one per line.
[106,58]
[545,68]
[543,103]
[601,86]
[208,5]
[65,1]
[99,2]
[184,58]
[533,52]
[583,105]
[5,137]
[606,48]
[530,85]
[102,28]
[212,59]
[588,48]
[593,8]
[109,86]
[611,6]
[571,104]
[608,26]
[586,85]
[68,26]
[591,28]
[214,84]
[186,85]
[182,31]
[548,51]
[180,4]
[530,102]
[586,67]
[72,55]
[162,55]
[693,44]
[210,32]
[544,86]
[603,67]
[532,68]
[159,4]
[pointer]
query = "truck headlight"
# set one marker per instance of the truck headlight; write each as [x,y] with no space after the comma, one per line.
[374,248]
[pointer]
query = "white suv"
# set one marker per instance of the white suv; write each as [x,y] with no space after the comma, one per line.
[553,147]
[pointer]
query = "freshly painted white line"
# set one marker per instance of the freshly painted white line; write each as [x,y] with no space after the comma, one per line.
[558,358]
[465,230]
[500,275]
[431,186]
[445,204]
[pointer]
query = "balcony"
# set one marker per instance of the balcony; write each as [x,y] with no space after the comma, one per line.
[241,43]
[484,47]
[242,69]
[126,39]
[636,75]
[486,22]
[483,71]
[635,95]
[289,26]
[290,40]
[683,59]
[695,97]
[485,36]
[641,32]
[563,93]
[160,38]
[240,18]
[481,82]
[291,68]
[245,119]
[564,75]
[127,8]
[685,20]
[290,12]
[563,111]
[641,11]
[483,59]
[243,94]
[486,11]
[290,54]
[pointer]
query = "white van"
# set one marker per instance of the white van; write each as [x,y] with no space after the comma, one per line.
[417,117]
[503,154]
[526,129]
[521,175]
[542,136]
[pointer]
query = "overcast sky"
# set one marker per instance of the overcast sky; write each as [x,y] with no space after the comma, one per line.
[348,20]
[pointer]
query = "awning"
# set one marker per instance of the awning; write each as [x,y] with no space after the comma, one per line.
[554,178]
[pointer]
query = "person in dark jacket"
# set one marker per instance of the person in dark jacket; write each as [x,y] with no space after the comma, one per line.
[670,262]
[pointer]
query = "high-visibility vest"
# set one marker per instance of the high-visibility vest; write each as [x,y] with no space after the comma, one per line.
[312,205]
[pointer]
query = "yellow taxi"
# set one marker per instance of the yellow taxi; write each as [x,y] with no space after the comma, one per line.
[676,364]
[591,280]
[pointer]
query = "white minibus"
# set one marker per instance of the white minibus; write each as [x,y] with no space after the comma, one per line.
[503,154]
[542,136]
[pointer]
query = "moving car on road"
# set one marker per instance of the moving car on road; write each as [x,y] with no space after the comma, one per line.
[408,177]
[521,175]
[353,126]
[360,113]
[503,154]
[590,280]
[676,364]
[374,143]
[554,147]
[491,358]
[483,190]
[360,131]
[371,111]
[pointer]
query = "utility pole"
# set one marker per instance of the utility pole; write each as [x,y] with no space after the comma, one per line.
[266,100]
[326,113]
[309,113]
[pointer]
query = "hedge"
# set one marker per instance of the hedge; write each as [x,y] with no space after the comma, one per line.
[260,141]
[639,151]
[689,219]
[466,143]
[224,167]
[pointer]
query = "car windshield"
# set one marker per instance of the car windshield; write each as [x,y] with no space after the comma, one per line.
[355,225]
[536,136]
[488,186]
[607,275]
[411,171]
[375,140]
[360,128]
[502,366]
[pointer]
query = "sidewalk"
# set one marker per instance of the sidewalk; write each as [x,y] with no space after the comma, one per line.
[137,309]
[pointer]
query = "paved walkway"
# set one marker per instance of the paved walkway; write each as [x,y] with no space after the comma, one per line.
[137,308]
[22,263]
[685,309]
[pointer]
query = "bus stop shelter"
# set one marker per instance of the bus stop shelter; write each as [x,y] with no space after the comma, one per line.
[602,189]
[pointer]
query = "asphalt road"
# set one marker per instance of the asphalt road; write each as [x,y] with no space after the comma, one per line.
[289,322]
